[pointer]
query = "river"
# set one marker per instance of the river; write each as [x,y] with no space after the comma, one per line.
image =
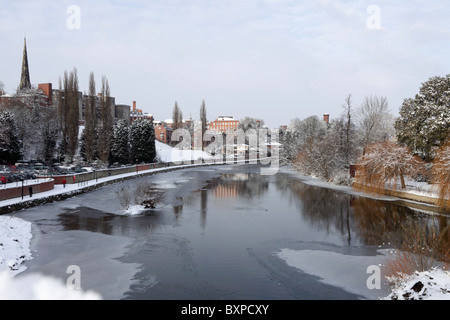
[223,232]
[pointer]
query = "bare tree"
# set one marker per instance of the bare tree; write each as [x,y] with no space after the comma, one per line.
[177,117]
[90,121]
[106,122]
[348,145]
[385,164]
[441,173]
[72,105]
[375,122]
[204,121]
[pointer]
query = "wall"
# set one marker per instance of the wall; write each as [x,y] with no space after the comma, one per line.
[11,193]
[83,177]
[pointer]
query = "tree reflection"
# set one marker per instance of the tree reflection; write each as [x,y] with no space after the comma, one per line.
[372,222]
[324,209]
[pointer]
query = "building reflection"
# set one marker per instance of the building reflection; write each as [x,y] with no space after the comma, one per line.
[238,185]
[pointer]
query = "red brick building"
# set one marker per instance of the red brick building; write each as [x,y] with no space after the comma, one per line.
[163,132]
[224,124]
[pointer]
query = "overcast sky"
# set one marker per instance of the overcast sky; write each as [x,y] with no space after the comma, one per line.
[270,59]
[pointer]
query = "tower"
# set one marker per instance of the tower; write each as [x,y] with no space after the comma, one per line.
[25,78]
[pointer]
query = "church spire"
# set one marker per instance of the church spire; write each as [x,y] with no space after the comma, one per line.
[25,78]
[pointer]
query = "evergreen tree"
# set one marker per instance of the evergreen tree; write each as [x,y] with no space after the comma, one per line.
[49,133]
[142,140]
[9,141]
[120,150]
[424,121]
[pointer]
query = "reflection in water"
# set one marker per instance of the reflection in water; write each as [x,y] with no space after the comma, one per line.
[323,209]
[228,186]
[203,207]
[88,219]
[372,222]
[238,185]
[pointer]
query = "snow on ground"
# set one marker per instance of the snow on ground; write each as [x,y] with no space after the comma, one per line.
[15,236]
[39,287]
[169,154]
[429,285]
[349,272]
[134,210]
[26,183]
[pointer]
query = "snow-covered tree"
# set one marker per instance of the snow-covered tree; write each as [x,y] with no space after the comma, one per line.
[120,151]
[249,123]
[9,139]
[299,134]
[26,107]
[441,173]
[424,121]
[321,158]
[142,141]
[49,133]
[374,121]
[385,164]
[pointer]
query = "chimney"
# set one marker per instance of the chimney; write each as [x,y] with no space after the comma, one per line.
[46,88]
[134,105]
[326,118]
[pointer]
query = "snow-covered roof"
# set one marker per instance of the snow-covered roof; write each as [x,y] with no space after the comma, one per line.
[226,118]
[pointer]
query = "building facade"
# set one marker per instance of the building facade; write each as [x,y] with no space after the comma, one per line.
[224,124]
[163,133]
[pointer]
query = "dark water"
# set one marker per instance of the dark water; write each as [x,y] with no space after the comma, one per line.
[217,233]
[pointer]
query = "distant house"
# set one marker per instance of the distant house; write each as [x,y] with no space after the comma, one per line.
[224,124]
[138,114]
[163,132]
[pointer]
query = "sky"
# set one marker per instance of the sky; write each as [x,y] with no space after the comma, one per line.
[270,59]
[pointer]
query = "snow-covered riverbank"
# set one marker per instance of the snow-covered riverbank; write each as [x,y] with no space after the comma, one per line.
[15,237]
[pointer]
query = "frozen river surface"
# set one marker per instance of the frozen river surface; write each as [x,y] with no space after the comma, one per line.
[219,233]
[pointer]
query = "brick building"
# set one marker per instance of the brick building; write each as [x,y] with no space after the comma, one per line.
[138,114]
[224,124]
[163,132]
